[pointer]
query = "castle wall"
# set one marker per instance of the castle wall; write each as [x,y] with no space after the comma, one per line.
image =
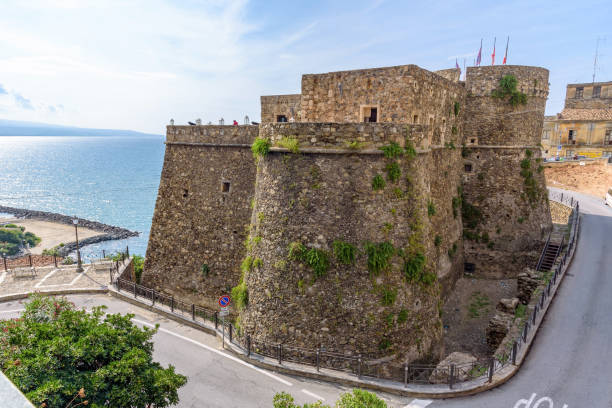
[274,105]
[324,194]
[503,178]
[198,219]
[401,95]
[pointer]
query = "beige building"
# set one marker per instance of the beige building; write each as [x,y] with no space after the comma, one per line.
[584,127]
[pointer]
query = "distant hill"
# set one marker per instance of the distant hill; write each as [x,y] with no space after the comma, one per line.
[19,128]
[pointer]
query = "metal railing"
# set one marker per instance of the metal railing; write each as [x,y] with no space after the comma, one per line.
[320,358]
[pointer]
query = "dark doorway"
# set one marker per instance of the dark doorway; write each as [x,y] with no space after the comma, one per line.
[281,118]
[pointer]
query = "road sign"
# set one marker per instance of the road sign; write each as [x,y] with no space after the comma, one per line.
[224,301]
[223,312]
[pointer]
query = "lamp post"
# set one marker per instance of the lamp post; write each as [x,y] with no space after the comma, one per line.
[75,221]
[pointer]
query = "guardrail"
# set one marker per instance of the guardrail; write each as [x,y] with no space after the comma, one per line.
[359,365]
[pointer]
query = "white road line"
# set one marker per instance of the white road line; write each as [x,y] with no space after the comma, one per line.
[2,276]
[12,311]
[197,343]
[418,403]
[77,278]
[45,278]
[313,395]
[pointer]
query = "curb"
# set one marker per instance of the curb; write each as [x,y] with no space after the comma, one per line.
[75,291]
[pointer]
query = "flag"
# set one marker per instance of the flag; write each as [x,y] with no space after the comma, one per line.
[506,54]
[493,55]
[457,67]
[479,58]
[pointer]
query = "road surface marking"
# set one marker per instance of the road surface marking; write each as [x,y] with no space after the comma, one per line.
[2,276]
[417,403]
[77,278]
[12,311]
[197,343]
[45,278]
[313,395]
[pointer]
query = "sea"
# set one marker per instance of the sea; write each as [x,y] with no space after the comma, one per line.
[110,179]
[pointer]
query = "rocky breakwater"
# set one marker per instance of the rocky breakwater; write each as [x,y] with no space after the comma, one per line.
[107,232]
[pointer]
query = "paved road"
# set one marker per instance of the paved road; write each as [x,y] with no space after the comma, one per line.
[570,362]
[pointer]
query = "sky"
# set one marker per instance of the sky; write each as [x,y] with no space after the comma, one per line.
[135,64]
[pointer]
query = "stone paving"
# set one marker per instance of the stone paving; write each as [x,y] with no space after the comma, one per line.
[46,278]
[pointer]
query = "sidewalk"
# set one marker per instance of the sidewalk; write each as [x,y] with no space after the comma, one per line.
[50,278]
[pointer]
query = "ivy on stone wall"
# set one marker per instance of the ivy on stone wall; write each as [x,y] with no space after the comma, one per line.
[393,171]
[378,183]
[344,252]
[379,255]
[532,191]
[315,258]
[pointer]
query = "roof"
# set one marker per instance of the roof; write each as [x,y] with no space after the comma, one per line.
[590,84]
[585,114]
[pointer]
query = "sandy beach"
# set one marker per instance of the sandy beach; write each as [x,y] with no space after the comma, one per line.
[51,233]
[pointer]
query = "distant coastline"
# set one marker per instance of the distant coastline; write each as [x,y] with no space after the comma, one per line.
[19,128]
[109,232]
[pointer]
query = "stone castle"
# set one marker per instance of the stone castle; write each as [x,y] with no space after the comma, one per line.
[344,219]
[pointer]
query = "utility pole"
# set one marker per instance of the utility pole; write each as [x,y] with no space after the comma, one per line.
[596,57]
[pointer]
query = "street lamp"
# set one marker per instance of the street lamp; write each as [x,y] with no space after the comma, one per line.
[75,221]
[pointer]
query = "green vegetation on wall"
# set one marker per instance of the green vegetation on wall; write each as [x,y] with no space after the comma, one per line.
[392,150]
[378,183]
[290,143]
[532,192]
[507,89]
[393,172]
[344,252]
[315,258]
[379,255]
[260,147]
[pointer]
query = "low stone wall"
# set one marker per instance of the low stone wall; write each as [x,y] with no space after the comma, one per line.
[212,134]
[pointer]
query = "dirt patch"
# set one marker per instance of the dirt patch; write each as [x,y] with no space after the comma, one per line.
[468,310]
[593,179]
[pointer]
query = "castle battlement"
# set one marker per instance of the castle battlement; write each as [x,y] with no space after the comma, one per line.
[214,134]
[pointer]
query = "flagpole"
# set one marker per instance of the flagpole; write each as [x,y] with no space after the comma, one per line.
[464,71]
[506,54]
[493,55]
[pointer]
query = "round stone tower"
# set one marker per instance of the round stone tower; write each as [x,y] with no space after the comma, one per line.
[505,214]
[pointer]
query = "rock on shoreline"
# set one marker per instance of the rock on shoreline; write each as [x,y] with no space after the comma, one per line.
[109,232]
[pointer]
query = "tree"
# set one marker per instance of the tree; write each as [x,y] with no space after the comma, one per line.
[357,399]
[54,352]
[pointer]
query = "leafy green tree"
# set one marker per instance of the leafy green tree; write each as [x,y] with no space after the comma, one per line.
[357,399]
[55,353]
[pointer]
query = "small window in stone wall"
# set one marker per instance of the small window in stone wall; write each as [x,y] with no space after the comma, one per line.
[467,167]
[281,118]
[579,92]
[185,193]
[596,91]
[469,267]
[226,187]
[415,119]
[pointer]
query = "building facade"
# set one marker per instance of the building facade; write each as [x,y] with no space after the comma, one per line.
[584,127]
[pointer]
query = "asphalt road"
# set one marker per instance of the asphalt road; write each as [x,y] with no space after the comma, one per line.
[569,366]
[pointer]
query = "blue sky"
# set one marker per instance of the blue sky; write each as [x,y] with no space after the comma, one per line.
[137,63]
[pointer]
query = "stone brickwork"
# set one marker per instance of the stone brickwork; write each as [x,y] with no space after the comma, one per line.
[325,181]
[273,106]
[509,218]
[202,211]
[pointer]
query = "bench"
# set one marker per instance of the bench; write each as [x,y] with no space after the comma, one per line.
[24,272]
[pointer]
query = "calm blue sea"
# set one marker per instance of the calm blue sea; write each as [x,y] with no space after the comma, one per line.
[113,180]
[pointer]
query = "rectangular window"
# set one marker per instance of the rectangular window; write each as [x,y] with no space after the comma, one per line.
[608,137]
[569,153]
[546,135]
[597,91]
[225,187]
[579,92]
[281,118]
[467,167]
[571,136]
[369,114]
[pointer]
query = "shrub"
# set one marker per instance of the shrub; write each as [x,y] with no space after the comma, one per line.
[290,143]
[344,252]
[206,270]
[520,311]
[393,172]
[317,260]
[431,208]
[402,316]
[296,251]
[437,240]
[414,267]
[260,147]
[240,294]
[57,351]
[452,250]
[379,255]
[456,108]
[257,263]
[68,261]
[507,89]
[454,130]
[355,145]
[388,296]
[138,261]
[357,399]
[472,215]
[392,150]
[456,203]
[247,264]
[378,183]
[398,192]
[410,149]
